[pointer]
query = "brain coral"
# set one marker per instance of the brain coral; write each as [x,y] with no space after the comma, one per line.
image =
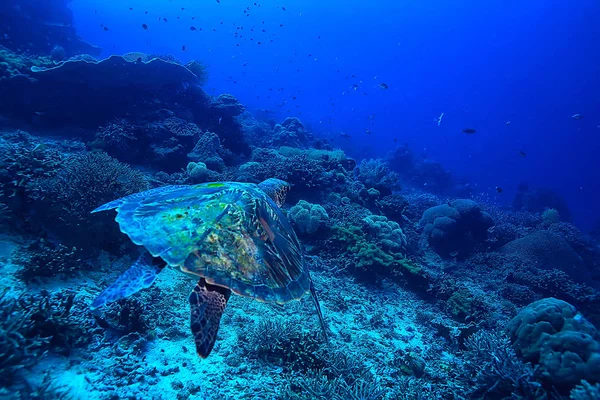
[552,334]
[308,218]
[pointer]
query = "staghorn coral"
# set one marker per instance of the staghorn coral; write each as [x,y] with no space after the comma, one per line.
[19,346]
[585,391]
[492,369]
[33,324]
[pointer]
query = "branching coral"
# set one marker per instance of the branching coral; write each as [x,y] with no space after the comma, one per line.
[285,344]
[492,369]
[19,346]
[41,258]
[84,182]
[23,159]
[376,174]
[31,325]
[118,139]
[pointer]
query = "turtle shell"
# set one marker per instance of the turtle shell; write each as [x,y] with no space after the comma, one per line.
[230,233]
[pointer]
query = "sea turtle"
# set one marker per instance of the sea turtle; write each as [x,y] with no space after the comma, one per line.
[230,235]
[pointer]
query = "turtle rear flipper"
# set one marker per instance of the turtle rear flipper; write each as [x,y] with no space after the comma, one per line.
[139,276]
[207,304]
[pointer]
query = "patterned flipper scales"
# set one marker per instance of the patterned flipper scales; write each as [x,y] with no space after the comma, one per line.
[139,276]
[207,304]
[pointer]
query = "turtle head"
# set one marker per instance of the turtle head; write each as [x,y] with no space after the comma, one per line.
[276,189]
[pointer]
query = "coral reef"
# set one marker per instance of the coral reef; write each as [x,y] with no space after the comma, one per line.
[552,334]
[308,218]
[539,200]
[375,174]
[83,182]
[430,289]
[226,105]
[454,228]
[547,250]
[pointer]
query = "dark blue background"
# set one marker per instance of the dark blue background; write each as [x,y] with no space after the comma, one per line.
[534,63]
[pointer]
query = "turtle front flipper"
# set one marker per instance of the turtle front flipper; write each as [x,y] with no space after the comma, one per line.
[139,276]
[207,304]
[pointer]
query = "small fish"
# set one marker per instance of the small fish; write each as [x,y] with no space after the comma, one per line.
[499,189]
[345,135]
[164,19]
[220,119]
[219,1]
[283,8]
[145,27]
[383,86]
[469,131]
[131,8]
[105,29]
[522,153]
[439,120]
[507,123]
[193,28]
[576,116]
[367,131]
[454,253]
[183,48]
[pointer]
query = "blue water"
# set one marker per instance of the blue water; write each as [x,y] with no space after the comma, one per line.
[482,64]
